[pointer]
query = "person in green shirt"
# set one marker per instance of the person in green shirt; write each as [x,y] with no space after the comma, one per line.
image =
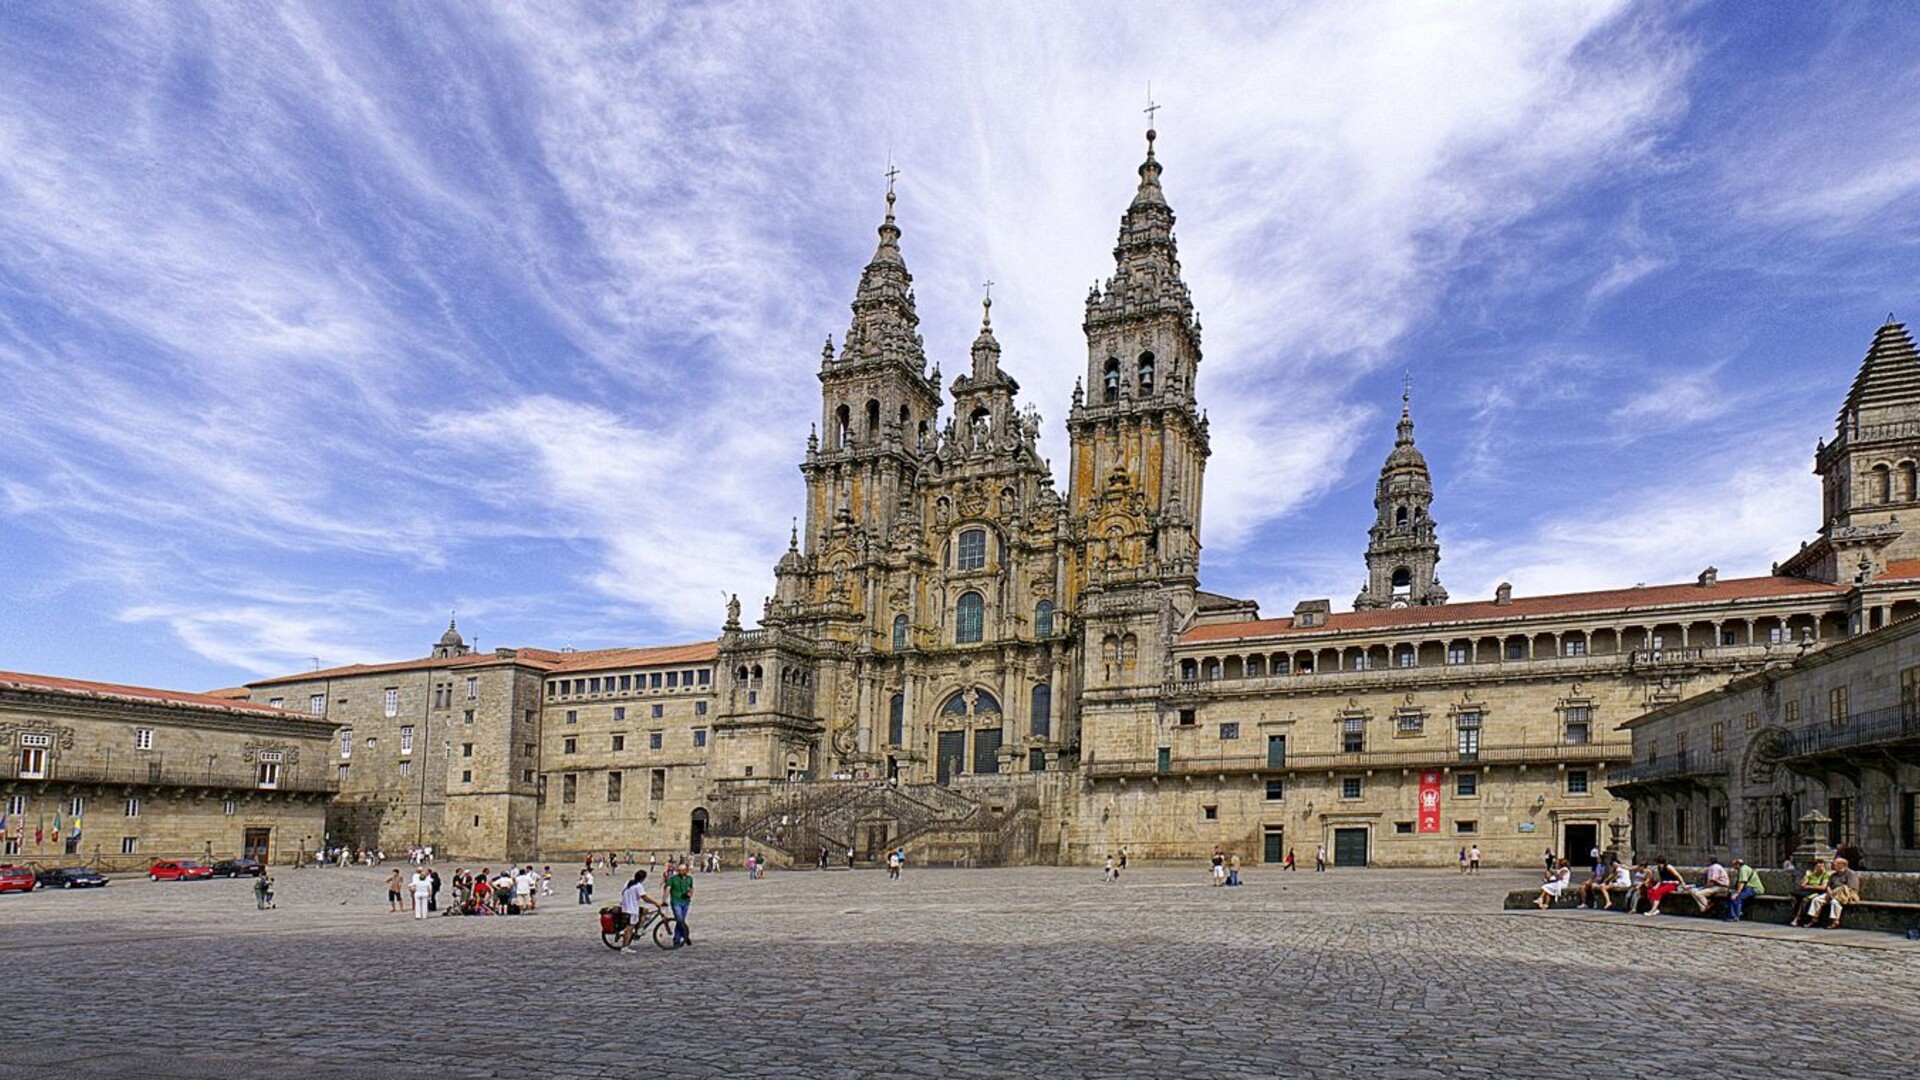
[1812,883]
[1746,886]
[679,895]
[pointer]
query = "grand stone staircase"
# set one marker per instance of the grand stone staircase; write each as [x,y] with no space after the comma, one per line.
[791,822]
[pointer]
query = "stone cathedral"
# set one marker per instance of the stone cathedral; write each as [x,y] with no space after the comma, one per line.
[960,659]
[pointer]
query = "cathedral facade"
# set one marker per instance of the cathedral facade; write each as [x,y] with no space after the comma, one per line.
[961,659]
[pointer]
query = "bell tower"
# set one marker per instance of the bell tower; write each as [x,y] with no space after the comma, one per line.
[1402,547]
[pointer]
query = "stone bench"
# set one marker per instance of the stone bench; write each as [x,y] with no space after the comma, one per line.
[1887,916]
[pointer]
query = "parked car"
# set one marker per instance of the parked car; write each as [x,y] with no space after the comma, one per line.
[178,871]
[16,879]
[238,868]
[72,877]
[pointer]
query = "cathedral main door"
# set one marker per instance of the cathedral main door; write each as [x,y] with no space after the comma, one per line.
[952,755]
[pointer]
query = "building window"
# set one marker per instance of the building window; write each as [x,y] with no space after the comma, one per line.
[1516,650]
[619,713]
[1163,759]
[133,807]
[569,745]
[659,710]
[346,742]
[33,761]
[699,708]
[1403,828]
[1276,790]
[1353,735]
[143,738]
[393,701]
[1458,654]
[899,633]
[1229,731]
[1466,785]
[1837,706]
[1719,736]
[1465,828]
[1576,781]
[699,737]
[317,705]
[77,806]
[473,687]
[266,773]
[129,845]
[1574,647]
[1276,751]
[704,675]
[1792,711]
[276,703]
[657,783]
[406,768]
[526,776]
[1840,814]
[613,787]
[1910,819]
[653,680]
[654,740]
[1578,720]
[619,743]
[1350,787]
[16,805]
[1036,760]
[573,716]
[1409,723]
[1753,720]
[673,680]
[1043,619]
[466,749]
[569,787]
[1210,813]
[228,807]
[1682,827]
[466,776]
[1467,735]
[466,717]
[897,720]
[970,616]
[973,549]
[1717,826]
[1404,658]
[406,738]
[1188,718]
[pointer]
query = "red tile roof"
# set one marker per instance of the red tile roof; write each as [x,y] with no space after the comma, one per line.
[544,659]
[84,688]
[1605,600]
[1902,570]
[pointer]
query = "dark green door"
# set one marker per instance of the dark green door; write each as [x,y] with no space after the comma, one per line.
[1349,847]
[951,751]
[1275,845]
[1276,751]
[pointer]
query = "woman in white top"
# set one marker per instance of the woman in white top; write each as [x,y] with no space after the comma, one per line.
[1557,881]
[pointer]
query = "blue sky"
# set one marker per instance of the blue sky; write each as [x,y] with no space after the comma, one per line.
[318,321]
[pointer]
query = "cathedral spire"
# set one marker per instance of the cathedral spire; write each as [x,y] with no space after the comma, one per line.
[885,325]
[1403,550]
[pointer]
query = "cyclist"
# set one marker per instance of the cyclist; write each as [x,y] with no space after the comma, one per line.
[636,905]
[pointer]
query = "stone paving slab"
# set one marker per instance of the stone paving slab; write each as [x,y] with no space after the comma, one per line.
[1035,972]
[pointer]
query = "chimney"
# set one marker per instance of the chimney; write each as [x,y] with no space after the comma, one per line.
[1312,613]
[1503,595]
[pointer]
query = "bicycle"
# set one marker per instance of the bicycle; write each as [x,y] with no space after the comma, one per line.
[657,921]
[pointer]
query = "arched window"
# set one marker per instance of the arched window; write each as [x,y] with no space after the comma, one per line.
[1042,719]
[1400,517]
[1146,373]
[973,549]
[1043,619]
[955,706]
[873,420]
[969,617]
[897,720]
[1110,381]
[899,633]
[842,420]
[1882,484]
[1402,579]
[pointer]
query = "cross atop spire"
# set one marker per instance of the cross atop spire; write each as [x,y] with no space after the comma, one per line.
[986,304]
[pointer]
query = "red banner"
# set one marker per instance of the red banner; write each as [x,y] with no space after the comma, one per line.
[1430,801]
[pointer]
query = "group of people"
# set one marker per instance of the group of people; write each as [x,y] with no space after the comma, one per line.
[636,907]
[1822,892]
[1470,859]
[1226,868]
[511,891]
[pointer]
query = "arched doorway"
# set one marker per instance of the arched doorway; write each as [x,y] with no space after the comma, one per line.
[697,834]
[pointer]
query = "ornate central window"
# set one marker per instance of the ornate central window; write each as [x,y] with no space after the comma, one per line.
[973,549]
[969,617]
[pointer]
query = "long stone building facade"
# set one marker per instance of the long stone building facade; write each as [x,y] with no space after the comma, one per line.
[961,658]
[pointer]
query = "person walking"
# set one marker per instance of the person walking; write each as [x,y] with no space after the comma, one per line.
[1291,865]
[1110,874]
[679,897]
[393,891]
[1123,862]
[585,885]
[422,893]
[1473,858]
[1320,859]
[433,898]
[1463,861]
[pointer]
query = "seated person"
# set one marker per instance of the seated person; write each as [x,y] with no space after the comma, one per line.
[1714,884]
[1639,879]
[1558,879]
[1843,888]
[1590,889]
[1666,882]
[1812,883]
[1619,878]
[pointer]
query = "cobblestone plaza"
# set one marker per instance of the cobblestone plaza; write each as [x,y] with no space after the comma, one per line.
[1031,972]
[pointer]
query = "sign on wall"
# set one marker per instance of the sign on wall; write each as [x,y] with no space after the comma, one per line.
[1430,801]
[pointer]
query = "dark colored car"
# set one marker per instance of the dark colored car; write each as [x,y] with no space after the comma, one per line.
[178,871]
[72,877]
[238,868]
[16,879]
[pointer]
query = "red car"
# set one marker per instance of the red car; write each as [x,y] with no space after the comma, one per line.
[16,879]
[178,871]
